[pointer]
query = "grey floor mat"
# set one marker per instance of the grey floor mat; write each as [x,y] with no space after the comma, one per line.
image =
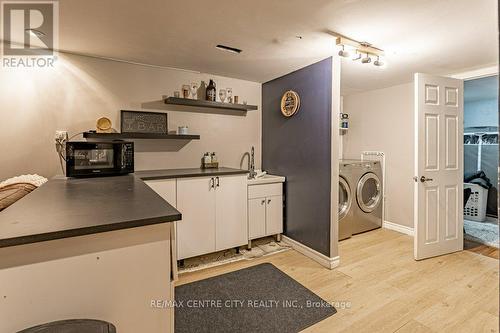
[481,232]
[260,298]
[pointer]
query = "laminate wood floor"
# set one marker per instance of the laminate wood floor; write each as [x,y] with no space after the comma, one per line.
[485,250]
[379,287]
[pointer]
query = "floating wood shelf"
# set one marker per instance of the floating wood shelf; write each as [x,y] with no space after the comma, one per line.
[210,104]
[121,136]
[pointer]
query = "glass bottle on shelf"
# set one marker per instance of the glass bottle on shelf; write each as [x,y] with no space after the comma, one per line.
[222,95]
[211,91]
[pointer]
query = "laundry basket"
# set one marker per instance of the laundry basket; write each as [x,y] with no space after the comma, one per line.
[475,209]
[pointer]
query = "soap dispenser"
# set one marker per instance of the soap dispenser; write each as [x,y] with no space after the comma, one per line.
[207,159]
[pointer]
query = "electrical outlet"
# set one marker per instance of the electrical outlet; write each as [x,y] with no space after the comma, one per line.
[61,136]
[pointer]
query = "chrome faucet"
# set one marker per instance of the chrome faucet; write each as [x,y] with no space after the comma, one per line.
[251,163]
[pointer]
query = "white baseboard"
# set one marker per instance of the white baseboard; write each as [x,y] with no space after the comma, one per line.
[320,258]
[398,227]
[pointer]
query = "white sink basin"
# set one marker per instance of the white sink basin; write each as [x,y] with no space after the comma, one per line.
[266,179]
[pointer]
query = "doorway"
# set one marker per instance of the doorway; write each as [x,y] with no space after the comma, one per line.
[481,161]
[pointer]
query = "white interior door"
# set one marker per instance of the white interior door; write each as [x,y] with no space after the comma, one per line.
[438,206]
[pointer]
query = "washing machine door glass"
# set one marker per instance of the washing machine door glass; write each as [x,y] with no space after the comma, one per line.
[369,192]
[344,198]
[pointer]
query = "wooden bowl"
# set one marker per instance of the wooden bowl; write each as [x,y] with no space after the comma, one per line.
[104,125]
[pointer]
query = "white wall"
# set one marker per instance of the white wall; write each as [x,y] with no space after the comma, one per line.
[382,120]
[36,102]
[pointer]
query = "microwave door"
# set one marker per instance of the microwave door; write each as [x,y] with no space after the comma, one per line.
[87,159]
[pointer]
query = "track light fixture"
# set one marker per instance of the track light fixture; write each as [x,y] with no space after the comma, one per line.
[362,51]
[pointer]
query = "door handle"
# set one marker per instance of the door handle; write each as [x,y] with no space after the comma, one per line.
[423,179]
[218,184]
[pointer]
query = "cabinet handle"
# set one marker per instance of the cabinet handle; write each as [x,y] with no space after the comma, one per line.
[268,200]
[263,202]
[218,182]
[212,183]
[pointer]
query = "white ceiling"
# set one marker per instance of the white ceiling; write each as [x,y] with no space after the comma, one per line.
[432,36]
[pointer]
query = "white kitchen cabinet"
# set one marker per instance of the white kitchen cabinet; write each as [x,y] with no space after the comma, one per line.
[214,212]
[256,218]
[166,188]
[196,231]
[274,215]
[265,209]
[230,211]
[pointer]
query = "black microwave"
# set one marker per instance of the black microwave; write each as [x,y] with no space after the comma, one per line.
[92,159]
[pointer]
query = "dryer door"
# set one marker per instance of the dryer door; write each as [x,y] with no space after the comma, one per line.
[369,192]
[344,198]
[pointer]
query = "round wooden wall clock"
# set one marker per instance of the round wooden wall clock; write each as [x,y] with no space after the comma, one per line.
[290,103]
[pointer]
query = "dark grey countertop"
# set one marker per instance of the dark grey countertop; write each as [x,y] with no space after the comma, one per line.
[64,208]
[184,173]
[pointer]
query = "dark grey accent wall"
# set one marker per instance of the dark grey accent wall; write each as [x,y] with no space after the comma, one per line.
[299,148]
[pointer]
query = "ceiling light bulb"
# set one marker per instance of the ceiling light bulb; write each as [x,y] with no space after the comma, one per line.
[343,52]
[378,62]
[366,60]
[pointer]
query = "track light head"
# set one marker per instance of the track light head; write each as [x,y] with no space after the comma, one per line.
[378,62]
[356,56]
[366,60]
[343,52]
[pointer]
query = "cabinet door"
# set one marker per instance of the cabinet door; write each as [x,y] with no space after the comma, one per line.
[166,188]
[256,218]
[274,215]
[196,230]
[231,212]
